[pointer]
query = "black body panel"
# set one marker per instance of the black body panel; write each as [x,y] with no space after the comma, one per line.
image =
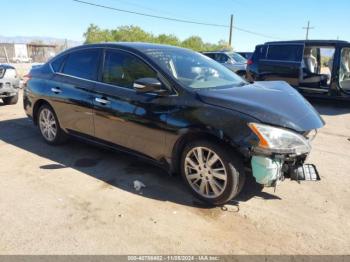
[274,103]
[154,125]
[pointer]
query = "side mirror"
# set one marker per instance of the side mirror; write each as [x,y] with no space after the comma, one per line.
[147,85]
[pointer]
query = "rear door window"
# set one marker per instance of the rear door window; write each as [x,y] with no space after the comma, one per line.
[260,52]
[82,64]
[293,53]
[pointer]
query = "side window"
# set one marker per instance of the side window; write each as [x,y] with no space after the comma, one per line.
[215,56]
[222,58]
[344,70]
[122,69]
[82,64]
[212,56]
[57,63]
[285,52]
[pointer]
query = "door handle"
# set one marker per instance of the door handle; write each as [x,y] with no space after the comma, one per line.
[56,90]
[102,101]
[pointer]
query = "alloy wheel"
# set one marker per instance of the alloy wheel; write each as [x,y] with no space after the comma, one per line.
[47,123]
[205,172]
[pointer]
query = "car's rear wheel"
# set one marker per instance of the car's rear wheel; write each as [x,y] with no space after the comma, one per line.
[49,126]
[11,100]
[214,173]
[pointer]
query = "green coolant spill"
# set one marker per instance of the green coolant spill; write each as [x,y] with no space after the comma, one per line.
[266,170]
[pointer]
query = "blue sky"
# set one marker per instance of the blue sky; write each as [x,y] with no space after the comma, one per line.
[280,18]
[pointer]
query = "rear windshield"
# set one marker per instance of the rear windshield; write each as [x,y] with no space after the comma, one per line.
[237,57]
[285,52]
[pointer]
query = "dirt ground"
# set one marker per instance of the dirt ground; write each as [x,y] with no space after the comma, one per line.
[79,199]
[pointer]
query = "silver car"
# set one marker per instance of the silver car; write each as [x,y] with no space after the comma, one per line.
[233,61]
[9,84]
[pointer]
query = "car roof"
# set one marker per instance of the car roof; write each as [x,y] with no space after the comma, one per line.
[139,46]
[310,42]
[213,52]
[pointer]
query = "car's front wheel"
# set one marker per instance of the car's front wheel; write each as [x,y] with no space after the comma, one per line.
[214,173]
[49,126]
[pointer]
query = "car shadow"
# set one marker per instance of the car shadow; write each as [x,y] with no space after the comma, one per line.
[330,107]
[114,169]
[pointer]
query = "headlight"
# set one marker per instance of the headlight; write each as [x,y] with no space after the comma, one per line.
[311,135]
[278,140]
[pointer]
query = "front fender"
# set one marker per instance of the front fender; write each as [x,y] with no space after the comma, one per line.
[225,125]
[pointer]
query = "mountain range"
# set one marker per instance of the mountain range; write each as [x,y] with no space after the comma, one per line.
[46,40]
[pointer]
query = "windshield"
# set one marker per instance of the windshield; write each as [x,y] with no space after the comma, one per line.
[237,58]
[194,70]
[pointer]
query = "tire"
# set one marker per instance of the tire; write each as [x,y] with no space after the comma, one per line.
[49,126]
[11,100]
[242,74]
[226,173]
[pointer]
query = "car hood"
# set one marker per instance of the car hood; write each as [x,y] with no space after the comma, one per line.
[275,103]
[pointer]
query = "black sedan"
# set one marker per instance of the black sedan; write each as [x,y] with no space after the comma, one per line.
[177,108]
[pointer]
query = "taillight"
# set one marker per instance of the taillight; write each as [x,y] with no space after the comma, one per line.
[26,78]
[250,62]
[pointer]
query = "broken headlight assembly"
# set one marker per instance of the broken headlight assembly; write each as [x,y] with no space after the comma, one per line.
[279,140]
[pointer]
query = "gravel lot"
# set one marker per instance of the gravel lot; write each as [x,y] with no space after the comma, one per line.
[79,199]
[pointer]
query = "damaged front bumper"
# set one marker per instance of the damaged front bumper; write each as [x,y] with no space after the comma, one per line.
[269,170]
[279,153]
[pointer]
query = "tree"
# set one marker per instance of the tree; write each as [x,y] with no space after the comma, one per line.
[131,34]
[168,39]
[95,34]
[193,42]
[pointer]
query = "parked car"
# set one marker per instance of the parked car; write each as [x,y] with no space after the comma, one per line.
[246,55]
[316,68]
[9,84]
[21,59]
[233,61]
[177,108]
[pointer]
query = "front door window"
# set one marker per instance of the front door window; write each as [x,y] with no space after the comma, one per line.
[122,69]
